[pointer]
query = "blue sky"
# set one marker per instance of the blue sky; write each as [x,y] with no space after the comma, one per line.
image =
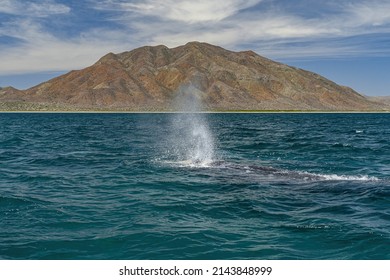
[346,41]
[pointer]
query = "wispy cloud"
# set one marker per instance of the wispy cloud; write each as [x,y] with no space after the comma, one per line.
[187,10]
[229,24]
[369,13]
[42,51]
[270,25]
[32,8]
[40,48]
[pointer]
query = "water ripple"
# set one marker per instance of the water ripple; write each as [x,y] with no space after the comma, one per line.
[268,186]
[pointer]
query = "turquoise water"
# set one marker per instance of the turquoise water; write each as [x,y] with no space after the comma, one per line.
[194,186]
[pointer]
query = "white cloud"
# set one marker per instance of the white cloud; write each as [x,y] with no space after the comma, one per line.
[229,27]
[273,26]
[42,51]
[370,13]
[32,9]
[247,29]
[188,11]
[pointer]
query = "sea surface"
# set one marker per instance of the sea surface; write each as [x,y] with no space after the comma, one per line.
[194,186]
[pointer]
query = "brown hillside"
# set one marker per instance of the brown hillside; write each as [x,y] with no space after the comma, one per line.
[151,78]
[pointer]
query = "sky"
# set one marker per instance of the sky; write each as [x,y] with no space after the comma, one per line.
[345,41]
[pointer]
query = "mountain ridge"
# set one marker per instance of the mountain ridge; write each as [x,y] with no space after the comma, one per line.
[151,78]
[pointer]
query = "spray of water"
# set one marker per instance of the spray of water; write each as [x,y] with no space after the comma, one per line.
[192,143]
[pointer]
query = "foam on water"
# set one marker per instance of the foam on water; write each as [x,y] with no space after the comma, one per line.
[335,177]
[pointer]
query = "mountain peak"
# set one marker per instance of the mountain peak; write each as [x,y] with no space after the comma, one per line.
[107,58]
[8,89]
[196,44]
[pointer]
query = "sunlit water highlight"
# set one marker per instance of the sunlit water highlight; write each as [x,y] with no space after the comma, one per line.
[194,186]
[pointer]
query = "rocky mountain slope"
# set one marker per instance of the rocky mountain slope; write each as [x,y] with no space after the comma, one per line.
[154,78]
[380,99]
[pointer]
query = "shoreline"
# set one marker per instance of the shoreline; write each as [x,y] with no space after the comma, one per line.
[198,112]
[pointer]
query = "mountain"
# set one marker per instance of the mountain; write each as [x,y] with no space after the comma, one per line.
[154,78]
[380,99]
[10,94]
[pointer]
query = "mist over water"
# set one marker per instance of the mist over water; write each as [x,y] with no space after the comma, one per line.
[191,142]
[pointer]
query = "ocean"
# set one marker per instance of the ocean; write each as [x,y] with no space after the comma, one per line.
[194,186]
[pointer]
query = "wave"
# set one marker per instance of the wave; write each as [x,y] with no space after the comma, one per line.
[335,177]
[193,163]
